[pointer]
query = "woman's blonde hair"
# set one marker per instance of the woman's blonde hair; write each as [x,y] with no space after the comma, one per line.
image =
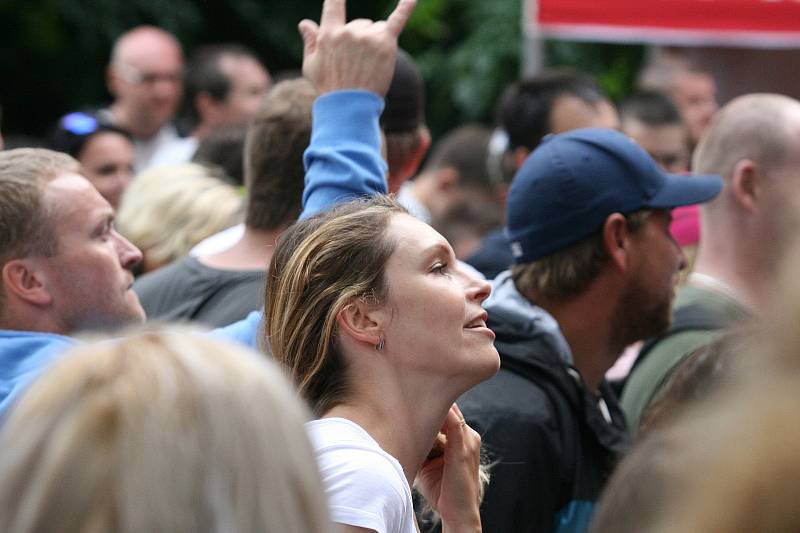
[319,266]
[163,431]
[167,210]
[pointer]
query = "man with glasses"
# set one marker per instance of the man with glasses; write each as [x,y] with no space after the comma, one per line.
[145,77]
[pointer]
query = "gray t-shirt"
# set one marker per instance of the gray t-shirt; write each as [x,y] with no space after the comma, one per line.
[188,290]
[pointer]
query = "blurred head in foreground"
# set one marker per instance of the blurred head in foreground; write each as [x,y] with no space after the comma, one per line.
[161,431]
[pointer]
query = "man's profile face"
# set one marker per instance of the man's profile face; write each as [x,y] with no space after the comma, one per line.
[89,278]
[655,261]
[667,144]
[249,83]
[695,95]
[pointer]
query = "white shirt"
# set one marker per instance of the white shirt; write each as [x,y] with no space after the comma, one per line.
[365,486]
[219,242]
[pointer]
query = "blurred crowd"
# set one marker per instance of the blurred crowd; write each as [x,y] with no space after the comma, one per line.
[580,317]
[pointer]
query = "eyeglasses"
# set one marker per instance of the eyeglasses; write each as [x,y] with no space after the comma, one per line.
[133,75]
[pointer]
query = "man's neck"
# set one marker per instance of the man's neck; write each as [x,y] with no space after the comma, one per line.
[253,251]
[128,121]
[743,274]
[34,321]
[586,321]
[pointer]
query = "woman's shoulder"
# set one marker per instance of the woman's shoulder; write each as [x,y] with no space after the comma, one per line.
[342,444]
[365,485]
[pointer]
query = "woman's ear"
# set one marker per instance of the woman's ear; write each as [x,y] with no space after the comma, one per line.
[361,320]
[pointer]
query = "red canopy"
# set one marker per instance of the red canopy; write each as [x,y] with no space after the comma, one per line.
[763,23]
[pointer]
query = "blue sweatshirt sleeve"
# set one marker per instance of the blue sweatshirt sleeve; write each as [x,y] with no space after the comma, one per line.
[344,159]
[244,331]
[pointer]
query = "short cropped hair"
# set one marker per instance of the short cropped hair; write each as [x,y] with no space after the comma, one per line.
[204,75]
[273,155]
[753,127]
[25,227]
[465,149]
[568,272]
[652,108]
[224,148]
[524,108]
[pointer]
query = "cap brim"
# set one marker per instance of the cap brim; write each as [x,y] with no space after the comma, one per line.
[681,190]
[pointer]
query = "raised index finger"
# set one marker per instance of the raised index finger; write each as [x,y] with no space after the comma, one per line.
[333,14]
[397,20]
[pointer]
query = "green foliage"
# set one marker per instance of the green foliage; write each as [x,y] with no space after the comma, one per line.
[614,65]
[468,51]
[53,53]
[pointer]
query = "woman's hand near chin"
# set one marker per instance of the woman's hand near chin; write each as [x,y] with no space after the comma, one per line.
[451,482]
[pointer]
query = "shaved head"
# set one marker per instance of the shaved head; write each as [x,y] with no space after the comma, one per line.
[144,40]
[760,127]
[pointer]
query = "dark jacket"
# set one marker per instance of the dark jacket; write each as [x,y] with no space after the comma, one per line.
[493,256]
[552,445]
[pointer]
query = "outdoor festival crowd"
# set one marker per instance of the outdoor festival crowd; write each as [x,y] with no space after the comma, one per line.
[292,313]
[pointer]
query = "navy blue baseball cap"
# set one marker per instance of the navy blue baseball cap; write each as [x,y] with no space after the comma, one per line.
[573,181]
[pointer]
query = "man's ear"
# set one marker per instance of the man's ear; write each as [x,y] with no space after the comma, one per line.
[205,106]
[112,80]
[616,239]
[446,178]
[362,321]
[22,279]
[520,154]
[745,185]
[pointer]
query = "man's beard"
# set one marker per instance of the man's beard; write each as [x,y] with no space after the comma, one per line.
[640,315]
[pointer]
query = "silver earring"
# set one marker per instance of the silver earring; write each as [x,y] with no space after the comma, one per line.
[380,344]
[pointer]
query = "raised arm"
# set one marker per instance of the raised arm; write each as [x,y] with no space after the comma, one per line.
[351,64]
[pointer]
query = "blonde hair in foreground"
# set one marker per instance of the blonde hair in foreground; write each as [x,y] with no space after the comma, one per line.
[162,431]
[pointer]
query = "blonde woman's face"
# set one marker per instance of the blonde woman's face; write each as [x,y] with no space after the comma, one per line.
[436,320]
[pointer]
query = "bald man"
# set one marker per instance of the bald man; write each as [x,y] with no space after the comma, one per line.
[754,143]
[145,77]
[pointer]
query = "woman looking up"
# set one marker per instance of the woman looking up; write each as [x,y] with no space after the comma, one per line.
[381,331]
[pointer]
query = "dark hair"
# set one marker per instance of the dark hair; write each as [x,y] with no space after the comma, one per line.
[74,130]
[405,100]
[224,148]
[204,75]
[319,266]
[525,106]
[652,108]
[466,150]
[273,155]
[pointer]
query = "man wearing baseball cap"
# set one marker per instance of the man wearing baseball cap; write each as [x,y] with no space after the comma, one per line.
[595,270]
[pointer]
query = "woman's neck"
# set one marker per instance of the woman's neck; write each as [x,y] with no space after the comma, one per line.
[404,429]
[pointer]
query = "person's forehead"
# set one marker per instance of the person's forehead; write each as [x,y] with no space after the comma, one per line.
[242,68]
[153,54]
[412,235]
[70,196]
[570,112]
[658,134]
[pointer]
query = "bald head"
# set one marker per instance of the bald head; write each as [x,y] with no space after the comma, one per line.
[145,77]
[754,143]
[143,41]
[764,128]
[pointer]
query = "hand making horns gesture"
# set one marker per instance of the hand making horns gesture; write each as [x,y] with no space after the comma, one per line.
[359,54]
